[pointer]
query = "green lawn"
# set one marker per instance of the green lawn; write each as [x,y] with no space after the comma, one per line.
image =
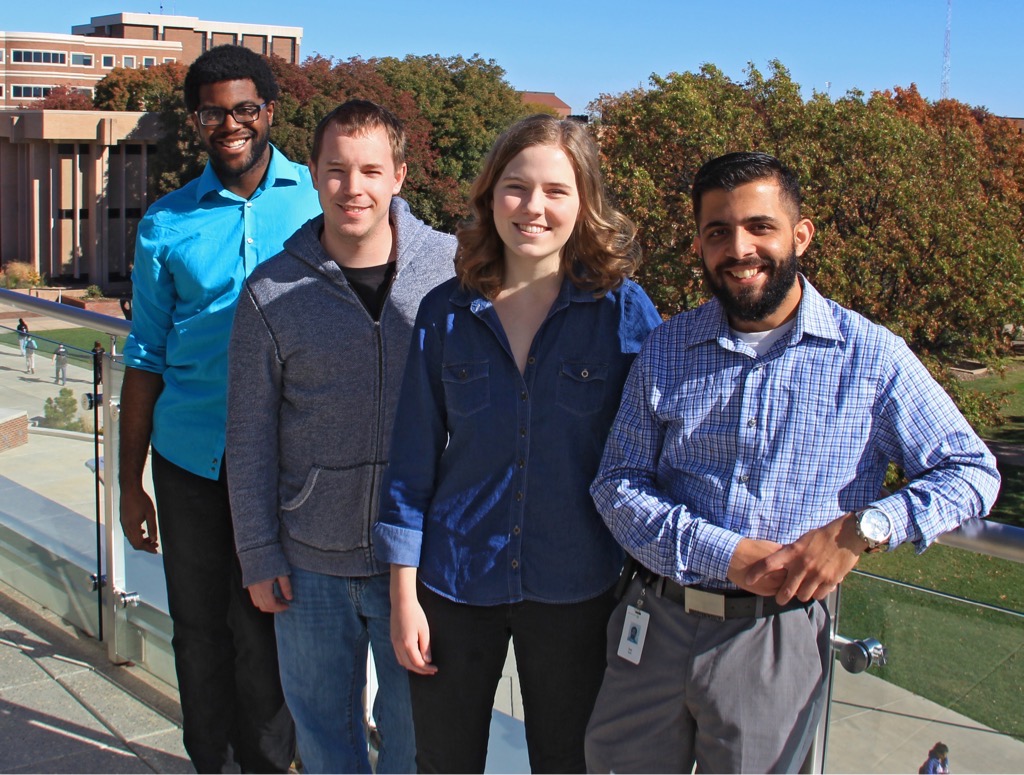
[72,338]
[961,656]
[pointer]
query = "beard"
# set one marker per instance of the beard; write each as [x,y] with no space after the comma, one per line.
[234,170]
[754,304]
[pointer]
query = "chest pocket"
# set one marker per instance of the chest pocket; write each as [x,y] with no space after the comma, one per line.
[467,387]
[581,386]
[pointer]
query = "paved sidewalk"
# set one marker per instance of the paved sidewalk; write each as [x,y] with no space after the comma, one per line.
[65,708]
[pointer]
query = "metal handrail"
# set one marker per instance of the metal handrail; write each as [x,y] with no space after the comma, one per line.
[990,538]
[78,317]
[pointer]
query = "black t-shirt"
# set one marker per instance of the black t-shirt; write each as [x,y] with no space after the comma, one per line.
[372,284]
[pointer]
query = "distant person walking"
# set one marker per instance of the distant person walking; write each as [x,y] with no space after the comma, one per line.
[938,760]
[29,348]
[22,334]
[60,365]
[97,363]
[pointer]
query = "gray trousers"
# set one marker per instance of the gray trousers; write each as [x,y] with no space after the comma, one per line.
[743,695]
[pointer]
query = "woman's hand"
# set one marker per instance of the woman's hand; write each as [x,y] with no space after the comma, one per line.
[410,634]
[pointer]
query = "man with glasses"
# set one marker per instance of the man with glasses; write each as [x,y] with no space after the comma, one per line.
[194,250]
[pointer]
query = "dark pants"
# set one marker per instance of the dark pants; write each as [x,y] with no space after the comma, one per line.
[225,651]
[560,655]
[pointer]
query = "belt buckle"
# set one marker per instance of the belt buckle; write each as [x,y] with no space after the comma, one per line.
[709,604]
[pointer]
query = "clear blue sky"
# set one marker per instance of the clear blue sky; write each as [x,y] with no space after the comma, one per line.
[580,50]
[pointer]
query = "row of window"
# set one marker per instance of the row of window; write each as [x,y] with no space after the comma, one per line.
[23,91]
[31,56]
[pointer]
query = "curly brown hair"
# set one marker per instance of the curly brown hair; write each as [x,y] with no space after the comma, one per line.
[602,250]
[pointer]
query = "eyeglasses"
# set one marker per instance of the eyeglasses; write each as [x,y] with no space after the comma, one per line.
[243,114]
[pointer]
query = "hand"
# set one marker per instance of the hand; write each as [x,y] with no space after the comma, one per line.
[264,597]
[748,552]
[410,633]
[815,563]
[137,511]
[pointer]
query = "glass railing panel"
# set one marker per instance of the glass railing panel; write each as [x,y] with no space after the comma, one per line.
[955,668]
[141,624]
[50,536]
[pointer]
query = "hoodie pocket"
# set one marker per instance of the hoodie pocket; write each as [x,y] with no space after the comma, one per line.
[331,511]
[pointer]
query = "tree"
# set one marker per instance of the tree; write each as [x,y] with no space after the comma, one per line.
[64,97]
[918,205]
[148,89]
[62,412]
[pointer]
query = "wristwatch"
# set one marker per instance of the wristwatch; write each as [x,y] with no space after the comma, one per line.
[874,528]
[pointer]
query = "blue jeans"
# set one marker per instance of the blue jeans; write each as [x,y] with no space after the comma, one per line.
[322,640]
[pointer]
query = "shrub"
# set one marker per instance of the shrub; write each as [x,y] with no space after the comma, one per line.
[94,292]
[62,412]
[18,274]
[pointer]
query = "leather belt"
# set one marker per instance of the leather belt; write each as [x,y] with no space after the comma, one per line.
[718,604]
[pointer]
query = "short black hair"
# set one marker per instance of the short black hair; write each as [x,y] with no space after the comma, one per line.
[357,117]
[229,63]
[734,169]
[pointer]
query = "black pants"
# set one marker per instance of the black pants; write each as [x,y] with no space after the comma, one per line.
[225,652]
[560,655]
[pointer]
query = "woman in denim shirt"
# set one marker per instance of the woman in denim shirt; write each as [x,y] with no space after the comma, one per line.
[511,386]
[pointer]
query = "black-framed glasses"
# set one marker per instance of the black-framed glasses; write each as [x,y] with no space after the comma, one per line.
[243,114]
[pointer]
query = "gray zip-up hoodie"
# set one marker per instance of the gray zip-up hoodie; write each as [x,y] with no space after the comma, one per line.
[312,386]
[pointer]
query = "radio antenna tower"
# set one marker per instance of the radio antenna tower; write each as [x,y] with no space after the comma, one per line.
[944,90]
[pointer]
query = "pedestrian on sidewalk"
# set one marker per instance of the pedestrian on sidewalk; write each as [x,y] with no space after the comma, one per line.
[22,334]
[60,363]
[97,364]
[29,348]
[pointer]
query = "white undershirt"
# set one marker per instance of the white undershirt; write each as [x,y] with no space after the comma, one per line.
[761,341]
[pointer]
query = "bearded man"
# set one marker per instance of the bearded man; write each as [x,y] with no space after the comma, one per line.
[195,248]
[743,474]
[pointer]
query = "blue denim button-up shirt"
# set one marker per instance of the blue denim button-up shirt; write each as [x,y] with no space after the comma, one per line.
[487,488]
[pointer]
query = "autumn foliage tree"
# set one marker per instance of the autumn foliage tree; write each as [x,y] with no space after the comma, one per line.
[919,206]
[63,97]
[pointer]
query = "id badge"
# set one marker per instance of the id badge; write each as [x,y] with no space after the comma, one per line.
[634,633]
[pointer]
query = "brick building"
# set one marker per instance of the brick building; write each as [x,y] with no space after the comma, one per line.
[74,183]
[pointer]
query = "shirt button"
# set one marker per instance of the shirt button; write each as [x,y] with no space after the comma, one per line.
[751,422]
[462,374]
[584,374]
[248,204]
[519,496]
[531,360]
[249,240]
[515,564]
[743,478]
[523,395]
[515,530]
[522,431]
[521,463]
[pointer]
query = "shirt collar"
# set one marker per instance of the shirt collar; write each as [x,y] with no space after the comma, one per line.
[279,172]
[813,318]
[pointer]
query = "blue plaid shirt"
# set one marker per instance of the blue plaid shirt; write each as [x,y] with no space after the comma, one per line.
[713,444]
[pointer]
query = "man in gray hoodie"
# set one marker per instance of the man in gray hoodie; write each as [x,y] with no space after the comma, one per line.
[317,354]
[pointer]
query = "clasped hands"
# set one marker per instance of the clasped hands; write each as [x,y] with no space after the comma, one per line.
[809,568]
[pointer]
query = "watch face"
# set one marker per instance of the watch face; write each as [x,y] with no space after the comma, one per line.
[874,525]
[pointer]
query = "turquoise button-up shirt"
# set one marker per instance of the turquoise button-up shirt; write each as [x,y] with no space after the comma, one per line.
[195,248]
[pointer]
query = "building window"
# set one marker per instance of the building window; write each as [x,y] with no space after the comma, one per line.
[148,61]
[1,91]
[127,61]
[30,56]
[81,60]
[107,61]
[30,92]
[3,53]
[167,60]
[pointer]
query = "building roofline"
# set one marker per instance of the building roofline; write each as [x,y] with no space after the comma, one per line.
[188,22]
